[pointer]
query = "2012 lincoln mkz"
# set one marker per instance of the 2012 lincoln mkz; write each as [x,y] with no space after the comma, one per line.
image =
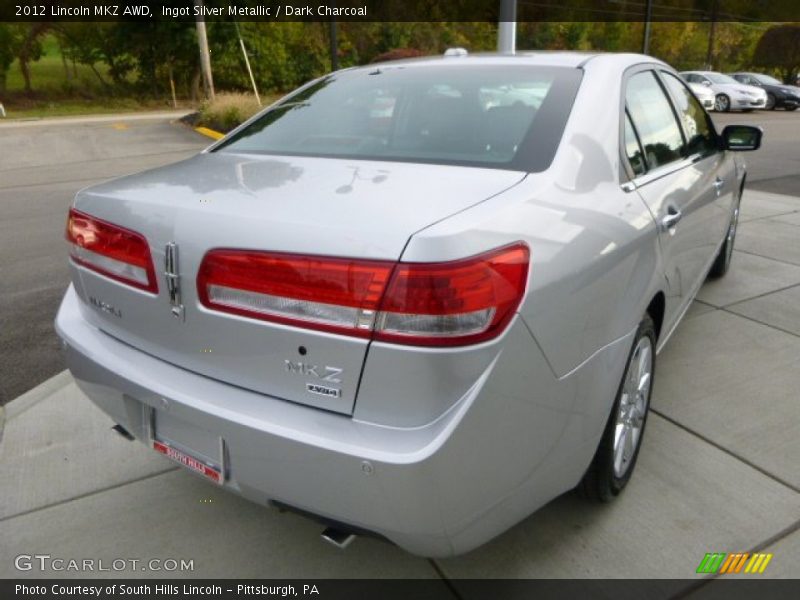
[418,299]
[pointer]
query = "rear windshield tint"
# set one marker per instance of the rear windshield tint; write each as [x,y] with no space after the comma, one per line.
[509,117]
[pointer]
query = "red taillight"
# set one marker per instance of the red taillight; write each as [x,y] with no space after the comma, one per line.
[454,303]
[442,304]
[111,250]
[332,294]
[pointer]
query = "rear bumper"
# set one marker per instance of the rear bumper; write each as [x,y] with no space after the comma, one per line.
[436,490]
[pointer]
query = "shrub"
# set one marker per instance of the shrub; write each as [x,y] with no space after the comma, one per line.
[398,54]
[228,110]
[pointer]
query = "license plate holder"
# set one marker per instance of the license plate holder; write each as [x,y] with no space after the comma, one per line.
[181,442]
[197,465]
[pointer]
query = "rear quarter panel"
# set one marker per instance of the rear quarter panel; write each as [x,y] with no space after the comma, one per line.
[595,262]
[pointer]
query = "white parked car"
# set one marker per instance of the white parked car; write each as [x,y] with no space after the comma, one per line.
[729,94]
[704,95]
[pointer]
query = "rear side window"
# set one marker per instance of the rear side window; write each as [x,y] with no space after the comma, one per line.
[652,116]
[509,117]
[701,138]
[633,150]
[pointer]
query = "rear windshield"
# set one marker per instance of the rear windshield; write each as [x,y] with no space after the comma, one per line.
[492,116]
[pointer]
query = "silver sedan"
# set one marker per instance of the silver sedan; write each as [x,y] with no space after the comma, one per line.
[418,299]
[729,94]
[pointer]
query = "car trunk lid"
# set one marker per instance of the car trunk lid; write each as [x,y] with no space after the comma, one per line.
[299,205]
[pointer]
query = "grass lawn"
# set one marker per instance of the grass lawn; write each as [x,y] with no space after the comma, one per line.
[56,94]
[70,107]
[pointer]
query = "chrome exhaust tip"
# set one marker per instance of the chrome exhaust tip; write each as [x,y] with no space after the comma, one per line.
[337,537]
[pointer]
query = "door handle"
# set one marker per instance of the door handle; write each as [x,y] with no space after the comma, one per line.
[718,183]
[671,219]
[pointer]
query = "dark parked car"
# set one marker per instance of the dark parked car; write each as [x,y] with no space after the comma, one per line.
[779,95]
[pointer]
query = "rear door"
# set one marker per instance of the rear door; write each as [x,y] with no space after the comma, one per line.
[703,149]
[678,184]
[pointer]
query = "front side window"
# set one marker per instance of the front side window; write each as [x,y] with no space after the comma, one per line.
[510,117]
[701,137]
[652,116]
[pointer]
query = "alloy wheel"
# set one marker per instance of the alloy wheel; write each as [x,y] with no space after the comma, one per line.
[722,103]
[633,406]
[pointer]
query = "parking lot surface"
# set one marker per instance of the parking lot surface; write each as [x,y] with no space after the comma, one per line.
[42,165]
[718,471]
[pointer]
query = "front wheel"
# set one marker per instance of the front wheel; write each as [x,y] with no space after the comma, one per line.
[770,105]
[616,455]
[723,260]
[722,103]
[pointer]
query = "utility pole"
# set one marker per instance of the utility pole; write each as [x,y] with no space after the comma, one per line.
[712,31]
[648,17]
[205,56]
[247,63]
[333,38]
[507,27]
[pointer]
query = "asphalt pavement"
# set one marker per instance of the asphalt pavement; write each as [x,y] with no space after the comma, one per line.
[776,166]
[43,163]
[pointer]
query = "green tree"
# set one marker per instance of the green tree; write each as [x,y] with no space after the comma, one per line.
[779,48]
[23,42]
[92,43]
[7,52]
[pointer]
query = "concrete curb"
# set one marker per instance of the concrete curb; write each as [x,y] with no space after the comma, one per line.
[102,118]
[216,135]
[30,398]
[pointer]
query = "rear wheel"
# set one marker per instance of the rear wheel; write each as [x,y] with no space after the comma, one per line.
[770,105]
[616,455]
[722,103]
[723,260]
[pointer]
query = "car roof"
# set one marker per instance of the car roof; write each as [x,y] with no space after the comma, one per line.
[547,58]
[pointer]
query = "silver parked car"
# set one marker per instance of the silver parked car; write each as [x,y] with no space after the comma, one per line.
[704,95]
[418,299]
[729,93]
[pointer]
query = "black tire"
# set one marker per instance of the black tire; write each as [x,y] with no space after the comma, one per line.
[601,483]
[722,103]
[723,261]
[770,105]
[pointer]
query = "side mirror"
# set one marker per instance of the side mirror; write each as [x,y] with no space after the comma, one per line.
[706,82]
[741,138]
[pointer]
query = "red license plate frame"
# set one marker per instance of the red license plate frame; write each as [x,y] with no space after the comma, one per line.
[192,463]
